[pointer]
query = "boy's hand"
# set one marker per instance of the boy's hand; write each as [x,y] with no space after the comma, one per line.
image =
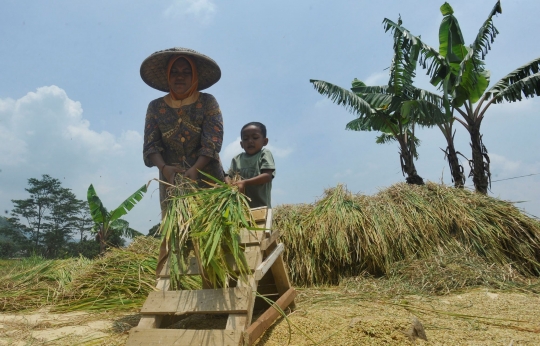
[241,185]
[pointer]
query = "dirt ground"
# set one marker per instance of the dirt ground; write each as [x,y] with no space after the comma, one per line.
[324,316]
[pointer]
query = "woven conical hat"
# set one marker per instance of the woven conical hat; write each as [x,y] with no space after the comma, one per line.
[154,68]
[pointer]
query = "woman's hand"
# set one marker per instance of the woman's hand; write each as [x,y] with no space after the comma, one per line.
[192,174]
[169,172]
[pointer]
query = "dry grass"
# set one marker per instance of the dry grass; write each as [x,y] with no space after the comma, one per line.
[120,280]
[344,235]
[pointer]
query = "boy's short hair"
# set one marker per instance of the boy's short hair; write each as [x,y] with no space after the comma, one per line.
[257,124]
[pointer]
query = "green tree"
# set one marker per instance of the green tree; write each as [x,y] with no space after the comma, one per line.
[82,220]
[394,109]
[153,232]
[60,224]
[34,209]
[459,70]
[108,224]
[46,218]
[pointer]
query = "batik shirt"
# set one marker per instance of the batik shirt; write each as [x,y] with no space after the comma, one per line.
[183,134]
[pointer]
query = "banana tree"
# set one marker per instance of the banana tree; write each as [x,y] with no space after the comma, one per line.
[459,71]
[394,109]
[106,223]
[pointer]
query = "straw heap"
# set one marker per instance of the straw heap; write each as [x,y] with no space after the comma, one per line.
[120,280]
[345,235]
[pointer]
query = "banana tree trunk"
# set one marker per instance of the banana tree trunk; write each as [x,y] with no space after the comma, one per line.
[480,160]
[407,163]
[456,170]
[102,241]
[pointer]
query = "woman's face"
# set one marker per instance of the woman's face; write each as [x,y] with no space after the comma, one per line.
[180,78]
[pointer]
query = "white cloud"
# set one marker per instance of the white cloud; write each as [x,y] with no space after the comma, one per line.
[44,132]
[322,103]
[379,78]
[231,150]
[203,10]
[279,152]
[345,174]
[504,166]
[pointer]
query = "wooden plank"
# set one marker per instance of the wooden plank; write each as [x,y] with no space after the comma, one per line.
[150,322]
[279,271]
[183,337]
[268,219]
[259,214]
[223,300]
[163,284]
[251,237]
[251,258]
[258,327]
[265,243]
[242,321]
[268,262]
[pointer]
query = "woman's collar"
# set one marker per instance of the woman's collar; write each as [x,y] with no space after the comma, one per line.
[180,103]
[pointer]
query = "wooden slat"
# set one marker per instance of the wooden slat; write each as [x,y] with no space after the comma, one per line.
[251,237]
[224,300]
[163,284]
[268,262]
[268,219]
[193,267]
[258,327]
[242,321]
[265,243]
[279,272]
[259,214]
[183,337]
[150,322]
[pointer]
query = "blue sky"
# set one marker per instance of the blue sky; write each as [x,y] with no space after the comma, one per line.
[72,103]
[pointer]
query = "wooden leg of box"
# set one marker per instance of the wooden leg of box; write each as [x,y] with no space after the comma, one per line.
[258,327]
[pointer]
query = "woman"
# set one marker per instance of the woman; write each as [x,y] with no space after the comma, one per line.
[184,129]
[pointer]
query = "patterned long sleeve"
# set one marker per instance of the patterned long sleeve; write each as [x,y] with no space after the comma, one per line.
[152,135]
[212,130]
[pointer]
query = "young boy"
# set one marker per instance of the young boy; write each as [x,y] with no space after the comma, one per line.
[255,166]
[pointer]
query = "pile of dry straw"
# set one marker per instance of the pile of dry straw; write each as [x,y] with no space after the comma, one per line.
[343,234]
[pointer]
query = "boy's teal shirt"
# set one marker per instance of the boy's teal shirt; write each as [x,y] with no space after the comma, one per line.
[249,166]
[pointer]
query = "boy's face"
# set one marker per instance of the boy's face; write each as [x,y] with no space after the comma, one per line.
[253,140]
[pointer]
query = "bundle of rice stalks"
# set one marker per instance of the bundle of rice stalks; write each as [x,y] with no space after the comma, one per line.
[35,282]
[120,280]
[344,234]
[212,219]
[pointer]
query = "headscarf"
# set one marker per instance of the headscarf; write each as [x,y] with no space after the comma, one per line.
[194,78]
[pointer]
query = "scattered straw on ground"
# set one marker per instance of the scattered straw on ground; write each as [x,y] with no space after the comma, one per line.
[340,316]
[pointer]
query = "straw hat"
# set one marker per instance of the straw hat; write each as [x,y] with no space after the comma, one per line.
[154,68]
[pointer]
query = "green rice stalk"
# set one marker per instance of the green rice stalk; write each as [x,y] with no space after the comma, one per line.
[212,219]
